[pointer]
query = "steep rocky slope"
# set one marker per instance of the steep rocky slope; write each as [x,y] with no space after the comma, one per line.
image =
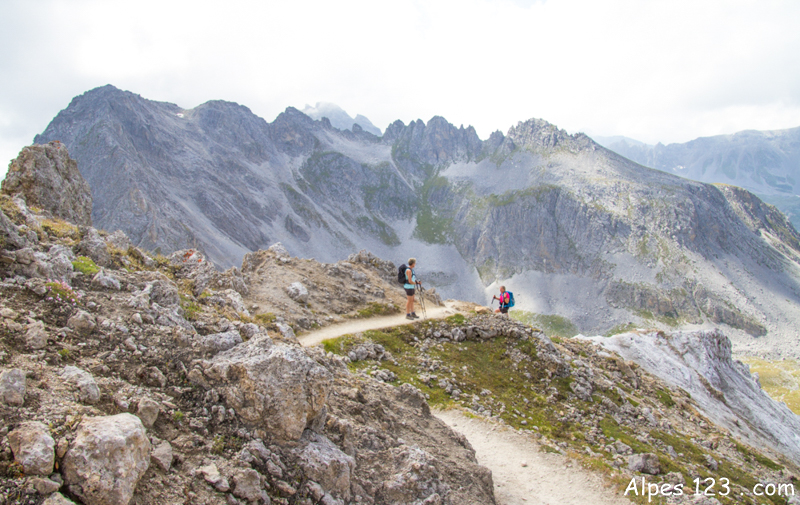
[569,226]
[126,378]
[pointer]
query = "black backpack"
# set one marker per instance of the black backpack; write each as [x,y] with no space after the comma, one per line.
[401,274]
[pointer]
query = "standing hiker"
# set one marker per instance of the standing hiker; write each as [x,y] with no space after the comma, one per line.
[408,278]
[506,300]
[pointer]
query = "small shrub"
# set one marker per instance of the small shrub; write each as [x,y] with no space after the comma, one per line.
[265,319]
[178,416]
[377,309]
[60,229]
[85,265]
[218,446]
[61,293]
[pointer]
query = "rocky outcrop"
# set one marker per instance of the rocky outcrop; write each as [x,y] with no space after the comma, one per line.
[48,178]
[106,460]
[701,363]
[275,386]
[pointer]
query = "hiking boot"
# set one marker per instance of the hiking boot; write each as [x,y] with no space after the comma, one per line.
[409,316]
[414,315]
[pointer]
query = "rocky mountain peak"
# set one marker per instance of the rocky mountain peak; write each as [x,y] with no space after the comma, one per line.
[538,134]
[48,178]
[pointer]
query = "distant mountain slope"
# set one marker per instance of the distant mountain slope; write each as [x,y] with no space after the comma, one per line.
[569,226]
[764,162]
[339,118]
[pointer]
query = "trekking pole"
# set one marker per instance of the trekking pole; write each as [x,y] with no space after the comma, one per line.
[421,292]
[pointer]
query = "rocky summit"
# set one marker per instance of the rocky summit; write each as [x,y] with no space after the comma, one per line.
[570,227]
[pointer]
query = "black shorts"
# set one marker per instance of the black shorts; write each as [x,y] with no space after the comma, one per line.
[409,292]
[504,310]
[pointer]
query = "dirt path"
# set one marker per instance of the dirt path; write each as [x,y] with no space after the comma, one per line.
[373,323]
[546,478]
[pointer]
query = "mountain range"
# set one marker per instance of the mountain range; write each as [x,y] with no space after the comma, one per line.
[764,162]
[568,225]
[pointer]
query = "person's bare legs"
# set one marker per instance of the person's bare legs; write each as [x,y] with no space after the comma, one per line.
[409,304]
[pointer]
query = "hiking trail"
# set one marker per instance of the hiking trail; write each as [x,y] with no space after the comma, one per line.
[545,478]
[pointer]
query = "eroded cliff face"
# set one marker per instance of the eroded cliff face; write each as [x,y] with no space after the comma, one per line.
[537,209]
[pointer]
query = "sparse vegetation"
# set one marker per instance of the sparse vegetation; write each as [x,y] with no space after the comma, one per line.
[85,265]
[374,309]
[552,324]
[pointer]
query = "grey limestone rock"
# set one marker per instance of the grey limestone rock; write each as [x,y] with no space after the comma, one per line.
[36,336]
[644,463]
[106,280]
[12,387]
[106,460]
[162,456]
[88,392]
[327,465]
[211,474]
[49,178]
[57,499]
[148,411]
[82,322]
[273,385]
[218,342]
[247,485]
[33,448]
[297,292]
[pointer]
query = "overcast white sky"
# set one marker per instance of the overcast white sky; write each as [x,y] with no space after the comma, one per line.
[666,71]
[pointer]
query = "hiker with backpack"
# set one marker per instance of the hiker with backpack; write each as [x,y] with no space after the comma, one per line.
[506,300]
[407,277]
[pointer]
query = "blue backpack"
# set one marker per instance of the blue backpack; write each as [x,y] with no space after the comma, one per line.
[510,299]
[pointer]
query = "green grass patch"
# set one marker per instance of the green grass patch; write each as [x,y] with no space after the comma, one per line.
[190,308]
[85,265]
[665,398]
[456,319]
[551,324]
[779,379]
[374,309]
[620,328]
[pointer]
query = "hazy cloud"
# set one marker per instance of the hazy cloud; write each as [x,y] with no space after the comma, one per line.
[654,70]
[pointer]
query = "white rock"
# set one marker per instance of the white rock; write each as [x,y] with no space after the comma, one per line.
[148,411]
[88,392]
[218,342]
[33,448]
[297,292]
[106,460]
[12,387]
[82,322]
[326,464]
[36,336]
[211,475]
[247,485]
[107,281]
[57,499]
[162,456]
[273,385]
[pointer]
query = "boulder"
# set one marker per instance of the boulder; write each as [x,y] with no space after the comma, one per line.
[82,322]
[104,280]
[45,486]
[327,465]
[33,448]
[230,299]
[106,460]
[211,475]
[48,178]
[279,250]
[12,387]
[36,336]
[218,342]
[247,484]
[88,392]
[297,292]
[164,293]
[93,246]
[644,463]
[271,385]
